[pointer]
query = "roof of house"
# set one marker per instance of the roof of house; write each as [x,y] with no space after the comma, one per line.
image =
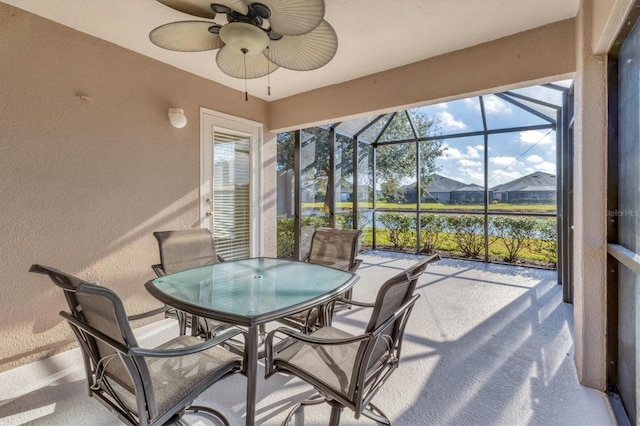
[534,188]
[470,188]
[533,180]
[441,183]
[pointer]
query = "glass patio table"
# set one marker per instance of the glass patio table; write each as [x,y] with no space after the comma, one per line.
[250,293]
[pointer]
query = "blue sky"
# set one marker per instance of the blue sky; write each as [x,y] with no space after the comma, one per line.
[511,155]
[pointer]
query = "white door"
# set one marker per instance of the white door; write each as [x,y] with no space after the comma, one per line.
[230,183]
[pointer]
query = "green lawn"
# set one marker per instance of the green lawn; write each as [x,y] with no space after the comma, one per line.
[538,208]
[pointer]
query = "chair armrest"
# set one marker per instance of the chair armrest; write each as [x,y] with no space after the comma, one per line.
[296,335]
[315,340]
[356,265]
[157,268]
[355,302]
[207,344]
[149,313]
[158,353]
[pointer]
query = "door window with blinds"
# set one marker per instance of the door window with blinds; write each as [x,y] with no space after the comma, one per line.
[229,181]
[231,194]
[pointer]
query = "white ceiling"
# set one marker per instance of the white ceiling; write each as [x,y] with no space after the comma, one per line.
[373,35]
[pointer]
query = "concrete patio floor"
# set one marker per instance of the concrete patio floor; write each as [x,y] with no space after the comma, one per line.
[486,345]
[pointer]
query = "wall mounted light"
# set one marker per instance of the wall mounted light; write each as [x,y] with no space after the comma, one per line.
[177,118]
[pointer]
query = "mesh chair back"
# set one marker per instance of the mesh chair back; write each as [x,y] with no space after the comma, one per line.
[393,294]
[64,281]
[306,235]
[337,248]
[102,310]
[186,249]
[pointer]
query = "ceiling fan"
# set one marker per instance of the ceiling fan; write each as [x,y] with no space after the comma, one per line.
[257,38]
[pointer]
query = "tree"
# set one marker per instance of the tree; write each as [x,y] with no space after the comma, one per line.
[314,156]
[286,144]
[390,192]
[394,162]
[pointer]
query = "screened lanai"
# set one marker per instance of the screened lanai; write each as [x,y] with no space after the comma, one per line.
[484,178]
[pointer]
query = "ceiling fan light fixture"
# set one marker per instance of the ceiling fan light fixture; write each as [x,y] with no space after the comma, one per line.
[259,37]
[241,36]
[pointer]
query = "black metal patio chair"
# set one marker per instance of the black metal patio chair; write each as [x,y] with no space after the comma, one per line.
[349,370]
[141,386]
[336,248]
[187,249]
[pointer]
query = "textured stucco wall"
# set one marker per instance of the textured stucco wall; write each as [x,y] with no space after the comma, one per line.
[522,59]
[590,151]
[89,168]
[597,25]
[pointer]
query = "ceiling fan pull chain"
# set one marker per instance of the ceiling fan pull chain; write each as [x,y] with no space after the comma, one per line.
[244,63]
[268,74]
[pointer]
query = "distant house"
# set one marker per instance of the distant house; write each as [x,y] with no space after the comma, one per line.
[346,192]
[535,187]
[445,190]
[469,194]
[440,188]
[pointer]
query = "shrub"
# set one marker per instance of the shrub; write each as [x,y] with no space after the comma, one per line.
[286,238]
[546,242]
[286,234]
[468,233]
[431,229]
[315,221]
[516,233]
[345,220]
[400,229]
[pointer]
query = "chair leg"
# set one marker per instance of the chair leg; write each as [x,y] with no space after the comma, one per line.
[211,411]
[336,411]
[299,407]
[182,322]
[376,414]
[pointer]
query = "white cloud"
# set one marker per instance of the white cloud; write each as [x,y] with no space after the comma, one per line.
[500,177]
[445,174]
[469,163]
[474,176]
[502,161]
[535,159]
[472,152]
[547,166]
[450,153]
[535,136]
[479,147]
[495,105]
[448,122]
